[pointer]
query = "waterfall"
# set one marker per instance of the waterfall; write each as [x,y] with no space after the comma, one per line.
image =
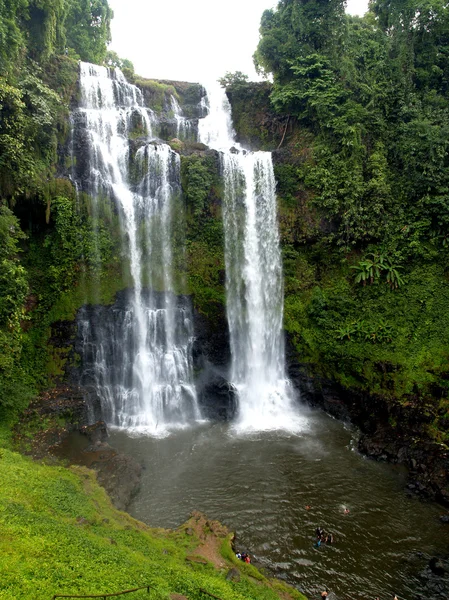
[138,354]
[183,125]
[254,282]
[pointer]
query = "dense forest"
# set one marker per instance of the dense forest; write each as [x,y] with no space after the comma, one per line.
[357,115]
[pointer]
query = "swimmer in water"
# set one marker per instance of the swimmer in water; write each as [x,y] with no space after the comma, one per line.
[346,511]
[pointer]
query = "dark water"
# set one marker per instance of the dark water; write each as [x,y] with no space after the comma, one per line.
[260,485]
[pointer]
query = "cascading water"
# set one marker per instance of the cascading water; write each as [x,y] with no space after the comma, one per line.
[183,125]
[139,353]
[254,283]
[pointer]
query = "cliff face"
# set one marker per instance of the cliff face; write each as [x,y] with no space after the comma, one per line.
[364,350]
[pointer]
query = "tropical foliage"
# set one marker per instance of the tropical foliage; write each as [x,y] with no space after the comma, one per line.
[373,90]
[40,42]
[363,177]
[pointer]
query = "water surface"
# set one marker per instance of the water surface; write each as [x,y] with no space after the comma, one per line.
[260,486]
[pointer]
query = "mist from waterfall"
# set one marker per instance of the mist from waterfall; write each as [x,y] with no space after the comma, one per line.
[254,279]
[140,353]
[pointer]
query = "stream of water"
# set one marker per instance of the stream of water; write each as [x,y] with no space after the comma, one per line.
[139,359]
[254,277]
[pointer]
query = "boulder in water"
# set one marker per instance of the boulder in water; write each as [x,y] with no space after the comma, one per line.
[218,399]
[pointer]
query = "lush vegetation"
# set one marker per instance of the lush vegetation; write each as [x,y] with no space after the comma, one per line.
[60,534]
[358,116]
[374,93]
[40,43]
[205,239]
[363,181]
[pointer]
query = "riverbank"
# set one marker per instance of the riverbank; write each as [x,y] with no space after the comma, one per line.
[61,535]
[389,432]
[219,468]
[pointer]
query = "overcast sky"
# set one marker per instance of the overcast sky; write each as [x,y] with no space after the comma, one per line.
[191,40]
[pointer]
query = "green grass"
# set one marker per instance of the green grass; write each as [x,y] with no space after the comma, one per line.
[59,534]
[5,433]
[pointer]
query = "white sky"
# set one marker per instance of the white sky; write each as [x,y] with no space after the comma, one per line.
[191,40]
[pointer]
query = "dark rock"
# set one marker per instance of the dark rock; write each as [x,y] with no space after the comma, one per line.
[189,148]
[63,334]
[119,474]
[95,433]
[233,575]
[437,566]
[211,345]
[211,357]
[406,442]
[218,399]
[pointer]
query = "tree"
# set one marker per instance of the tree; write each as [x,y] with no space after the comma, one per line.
[12,37]
[298,28]
[88,28]
[46,30]
[232,79]
[112,59]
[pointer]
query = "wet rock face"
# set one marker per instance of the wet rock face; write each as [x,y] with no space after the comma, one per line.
[210,352]
[70,435]
[211,343]
[428,461]
[218,398]
[436,578]
[211,359]
[119,474]
[406,443]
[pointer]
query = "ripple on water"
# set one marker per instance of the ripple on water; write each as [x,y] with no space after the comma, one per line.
[260,484]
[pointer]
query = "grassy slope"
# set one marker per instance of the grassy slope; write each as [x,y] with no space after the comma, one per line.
[60,534]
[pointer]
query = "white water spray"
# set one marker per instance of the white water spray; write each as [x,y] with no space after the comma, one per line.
[183,125]
[254,282]
[142,355]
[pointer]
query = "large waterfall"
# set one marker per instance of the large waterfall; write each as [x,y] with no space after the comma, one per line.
[254,282]
[139,352]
